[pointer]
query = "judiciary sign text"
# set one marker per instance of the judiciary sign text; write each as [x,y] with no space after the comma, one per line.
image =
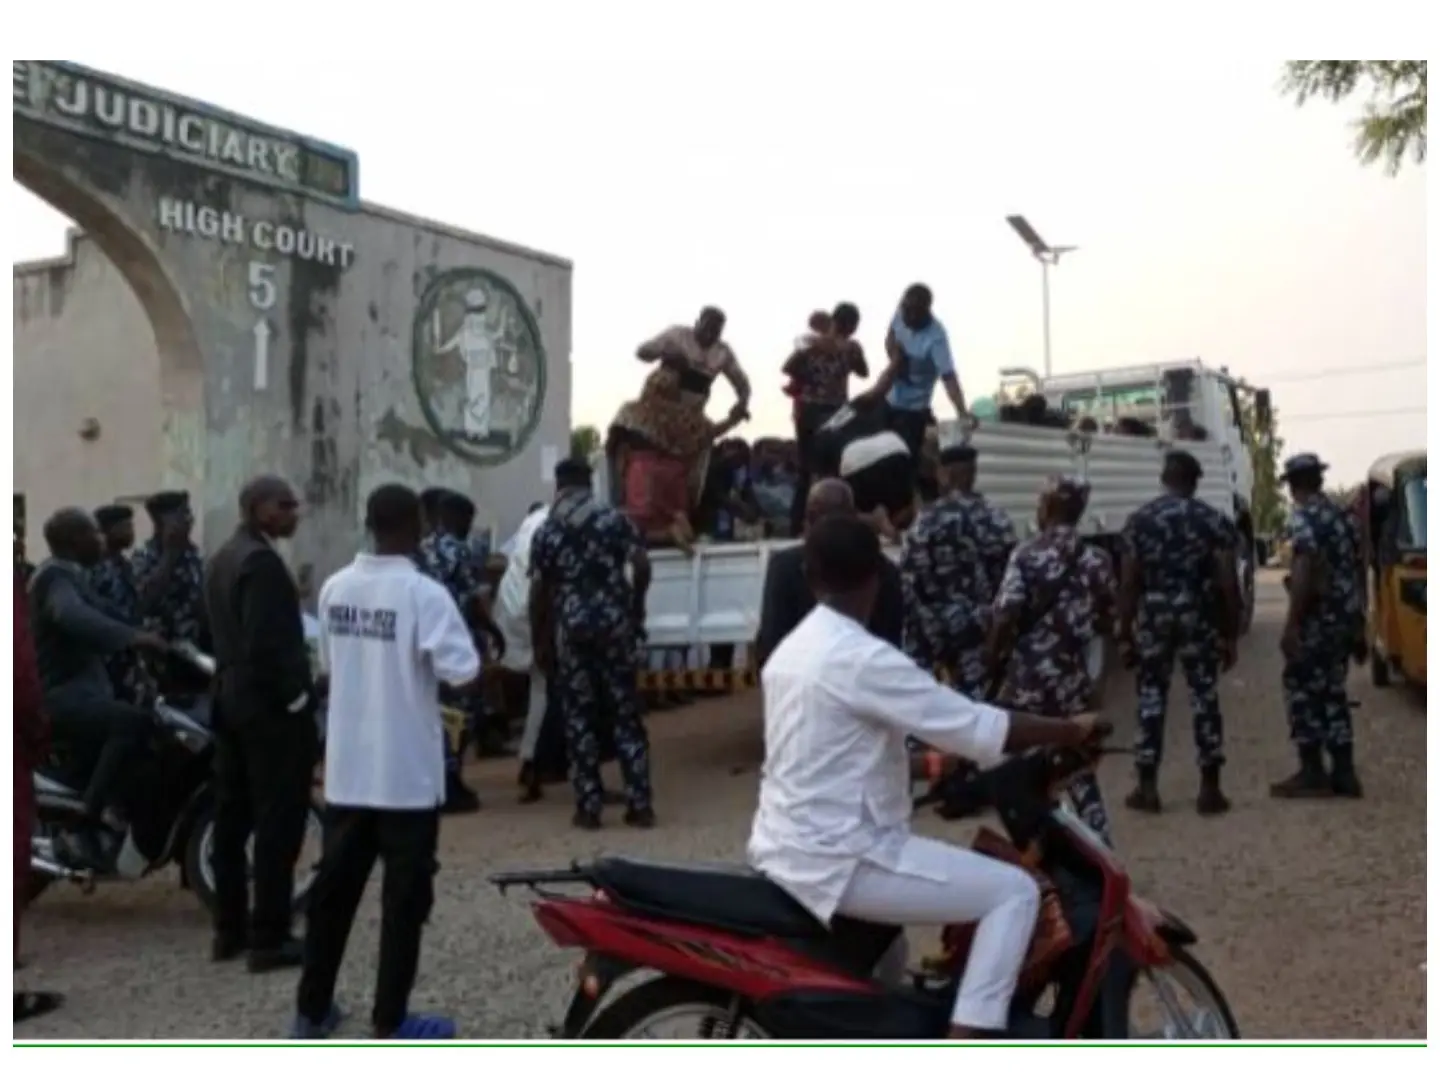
[74,98]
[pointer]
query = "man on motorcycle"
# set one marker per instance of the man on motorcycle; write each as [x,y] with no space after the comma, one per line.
[833,824]
[73,638]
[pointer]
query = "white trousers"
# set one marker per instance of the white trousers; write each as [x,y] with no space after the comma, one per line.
[534,716]
[1002,899]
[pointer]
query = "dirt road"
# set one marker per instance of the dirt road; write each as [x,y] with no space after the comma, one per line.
[1311,915]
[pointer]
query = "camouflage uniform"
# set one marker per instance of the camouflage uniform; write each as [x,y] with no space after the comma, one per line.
[179,615]
[1174,540]
[113,582]
[1316,698]
[1048,674]
[451,562]
[581,552]
[950,569]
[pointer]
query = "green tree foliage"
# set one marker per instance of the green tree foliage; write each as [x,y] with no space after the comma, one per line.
[584,442]
[1267,504]
[1393,123]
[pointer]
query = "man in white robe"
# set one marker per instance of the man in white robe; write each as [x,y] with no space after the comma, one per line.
[512,615]
[833,824]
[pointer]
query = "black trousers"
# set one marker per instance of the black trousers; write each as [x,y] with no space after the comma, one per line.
[809,419]
[264,768]
[910,425]
[355,837]
[110,734]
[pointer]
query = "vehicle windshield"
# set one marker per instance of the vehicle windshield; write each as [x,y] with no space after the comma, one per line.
[1412,522]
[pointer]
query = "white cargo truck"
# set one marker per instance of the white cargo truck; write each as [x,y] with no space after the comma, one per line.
[713,597]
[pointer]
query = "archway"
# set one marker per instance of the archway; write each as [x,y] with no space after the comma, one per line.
[298,331]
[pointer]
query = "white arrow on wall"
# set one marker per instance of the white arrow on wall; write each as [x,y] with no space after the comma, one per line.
[262,354]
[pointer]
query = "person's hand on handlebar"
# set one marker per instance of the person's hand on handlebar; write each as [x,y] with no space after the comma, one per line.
[148,639]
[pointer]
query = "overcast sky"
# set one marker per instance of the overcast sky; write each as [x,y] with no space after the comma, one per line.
[838,159]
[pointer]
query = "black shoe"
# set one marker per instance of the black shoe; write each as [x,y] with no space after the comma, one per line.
[640,819]
[290,953]
[1146,796]
[583,819]
[459,799]
[84,847]
[224,947]
[1310,782]
[1211,801]
[36,1003]
[1343,781]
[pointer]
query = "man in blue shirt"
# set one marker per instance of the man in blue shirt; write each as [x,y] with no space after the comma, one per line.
[919,352]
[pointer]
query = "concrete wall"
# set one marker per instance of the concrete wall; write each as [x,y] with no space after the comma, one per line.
[342,408]
[84,351]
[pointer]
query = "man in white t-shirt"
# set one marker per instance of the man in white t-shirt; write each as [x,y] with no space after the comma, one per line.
[389,636]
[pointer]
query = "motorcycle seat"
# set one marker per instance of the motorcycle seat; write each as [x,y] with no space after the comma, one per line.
[724,896]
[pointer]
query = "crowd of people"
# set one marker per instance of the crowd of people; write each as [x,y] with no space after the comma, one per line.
[847,645]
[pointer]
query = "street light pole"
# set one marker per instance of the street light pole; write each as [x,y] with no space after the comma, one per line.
[1047,257]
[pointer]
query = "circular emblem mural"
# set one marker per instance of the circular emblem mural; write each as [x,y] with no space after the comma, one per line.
[479,365]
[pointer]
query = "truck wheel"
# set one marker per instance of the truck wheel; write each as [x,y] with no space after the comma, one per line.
[1247,589]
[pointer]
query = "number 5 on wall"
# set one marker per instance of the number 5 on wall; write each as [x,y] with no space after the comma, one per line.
[262,286]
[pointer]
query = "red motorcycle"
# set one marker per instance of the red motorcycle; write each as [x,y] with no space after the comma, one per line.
[737,957]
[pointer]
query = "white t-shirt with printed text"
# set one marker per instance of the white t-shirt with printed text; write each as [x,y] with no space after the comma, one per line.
[389,636]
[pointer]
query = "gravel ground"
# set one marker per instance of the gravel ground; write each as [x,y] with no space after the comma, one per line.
[1310,915]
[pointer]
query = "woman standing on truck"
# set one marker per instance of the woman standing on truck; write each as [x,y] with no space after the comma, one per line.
[659,443]
[819,371]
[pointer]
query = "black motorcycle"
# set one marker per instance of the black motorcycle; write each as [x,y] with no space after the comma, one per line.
[172,811]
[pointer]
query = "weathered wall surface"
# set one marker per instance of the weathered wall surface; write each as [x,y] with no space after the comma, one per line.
[339,346]
[84,350]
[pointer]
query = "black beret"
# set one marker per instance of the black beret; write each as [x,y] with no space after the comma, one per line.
[166,502]
[108,517]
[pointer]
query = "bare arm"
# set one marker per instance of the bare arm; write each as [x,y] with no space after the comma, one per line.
[736,377]
[856,357]
[892,370]
[953,391]
[658,347]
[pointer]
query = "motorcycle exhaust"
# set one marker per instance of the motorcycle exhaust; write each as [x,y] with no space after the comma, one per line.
[85,879]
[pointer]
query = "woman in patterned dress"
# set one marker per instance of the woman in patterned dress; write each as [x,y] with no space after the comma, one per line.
[659,444]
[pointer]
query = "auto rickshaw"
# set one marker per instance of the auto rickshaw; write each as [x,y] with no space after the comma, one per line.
[1392,514]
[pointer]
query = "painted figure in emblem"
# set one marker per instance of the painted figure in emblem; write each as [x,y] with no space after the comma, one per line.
[476,345]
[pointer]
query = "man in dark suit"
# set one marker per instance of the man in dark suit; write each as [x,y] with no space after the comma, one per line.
[788,598]
[266,738]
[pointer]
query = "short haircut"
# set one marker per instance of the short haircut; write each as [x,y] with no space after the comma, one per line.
[64,527]
[1183,468]
[842,554]
[572,472]
[391,509]
[921,294]
[430,500]
[846,317]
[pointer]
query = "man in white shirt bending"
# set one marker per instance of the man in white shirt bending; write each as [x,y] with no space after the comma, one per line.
[833,824]
[389,636]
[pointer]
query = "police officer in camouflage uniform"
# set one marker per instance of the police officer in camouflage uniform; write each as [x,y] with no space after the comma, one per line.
[112,581]
[950,570]
[1324,630]
[1057,597]
[588,620]
[1179,599]
[169,576]
[446,557]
